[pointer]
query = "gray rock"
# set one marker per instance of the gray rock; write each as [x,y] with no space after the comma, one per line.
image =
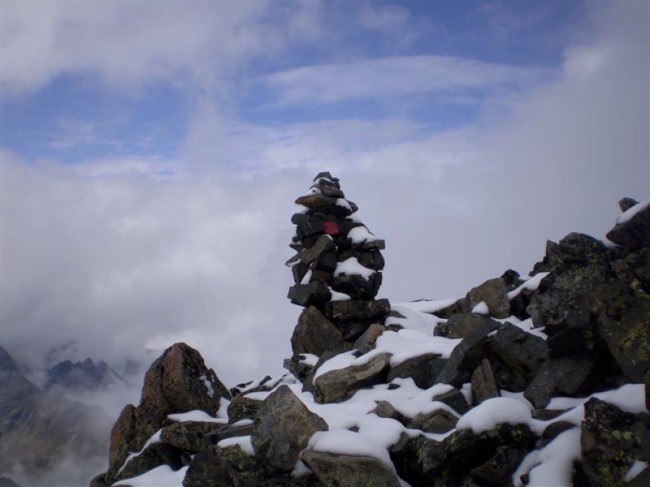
[336,469]
[494,294]
[499,468]
[187,435]
[357,287]
[371,259]
[153,456]
[423,369]
[315,334]
[462,325]
[466,356]
[634,234]
[323,244]
[385,409]
[368,339]
[337,385]
[315,293]
[283,428]
[483,384]
[243,428]
[627,203]
[611,441]
[454,399]
[567,376]
[438,421]
[243,407]
[358,310]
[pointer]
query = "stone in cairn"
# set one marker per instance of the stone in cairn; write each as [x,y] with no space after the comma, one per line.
[337,270]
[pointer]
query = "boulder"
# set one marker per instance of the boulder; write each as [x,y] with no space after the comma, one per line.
[438,421]
[336,469]
[357,310]
[339,384]
[187,435]
[494,294]
[568,376]
[385,409]
[242,407]
[611,441]
[315,334]
[462,325]
[423,369]
[282,429]
[483,384]
[314,293]
[454,399]
[633,233]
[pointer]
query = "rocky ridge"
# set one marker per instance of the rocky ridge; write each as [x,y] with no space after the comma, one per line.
[524,381]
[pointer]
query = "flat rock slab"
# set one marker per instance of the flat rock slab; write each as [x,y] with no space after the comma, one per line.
[337,385]
[337,469]
[358,310]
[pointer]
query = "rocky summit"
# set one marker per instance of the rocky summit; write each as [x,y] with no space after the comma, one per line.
[539,380]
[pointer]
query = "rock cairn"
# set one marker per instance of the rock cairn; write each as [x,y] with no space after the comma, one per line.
[337,271]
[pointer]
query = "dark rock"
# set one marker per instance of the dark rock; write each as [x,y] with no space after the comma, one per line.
[339,384]
[315,201]
[554,429]
[336,469]
[624,319]
[511,279]
[423,369]
[611,441]
[315,293]
[153,456]
[626,203]
[420,461]
[483,384]
[368,339]
[81,376]
[315,334]
[208,469]
[357,310]
[454,399]
[323,244]
[298,367]
[516,357]
[241,428]
[299,270]
[7,482]
[438,421]
[357,287]
[283,428]
[7,363]
[385,409]
[462,325]
[370,259]
[499,468]
[466,356]
[187,435]
[451,310]
[352,330]
[494,294]
[569,376]
[574,251]
[633,234]
[242,407]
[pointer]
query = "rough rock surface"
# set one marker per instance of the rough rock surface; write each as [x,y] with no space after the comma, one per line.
[336,469]
[283,428]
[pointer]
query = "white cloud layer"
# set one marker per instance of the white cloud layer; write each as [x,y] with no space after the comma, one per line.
[130,254]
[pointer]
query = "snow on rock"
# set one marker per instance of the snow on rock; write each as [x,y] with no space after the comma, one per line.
[338,296]
[531,284]
[414,319]
[350,443]
[352,267]
[157,477]
[481,308]
[553,464]
[197,415]
[636,468]
[627,215]
[244,442]
[496,410]
[360,235]
[426,305]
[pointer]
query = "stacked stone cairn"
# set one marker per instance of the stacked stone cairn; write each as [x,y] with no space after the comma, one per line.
[337,271]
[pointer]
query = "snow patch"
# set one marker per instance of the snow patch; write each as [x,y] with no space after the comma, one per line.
[497,410]
[244,442]
[157,477]
[627,215]
[637,467]
[196,415]
[531,284]
[481,308]
[337,296]
[352,267]
[361,235]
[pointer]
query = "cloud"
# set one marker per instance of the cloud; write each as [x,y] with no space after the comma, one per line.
[392,77]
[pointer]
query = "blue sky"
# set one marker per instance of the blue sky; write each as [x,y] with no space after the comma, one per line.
[151,153]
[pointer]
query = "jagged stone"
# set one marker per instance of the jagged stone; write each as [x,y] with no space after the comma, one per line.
[282,429]
[315,293]
[569,376]
[611,441]
[423,369]
[300,369]
[466,356]
[315,334]
[242,407]
[515,356]
[499,468]
[357,287]
[357,310]
[241,428]
[438,421]
[462,325]
[337,469]
[368,339]
[152,456]
[634,233]
[385,409]
[626,203]
[337,385]
[187,435]
[483,384]
[494,294]
[454,399]
[323,244]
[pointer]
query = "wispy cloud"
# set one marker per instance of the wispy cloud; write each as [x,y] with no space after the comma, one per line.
[395,76]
